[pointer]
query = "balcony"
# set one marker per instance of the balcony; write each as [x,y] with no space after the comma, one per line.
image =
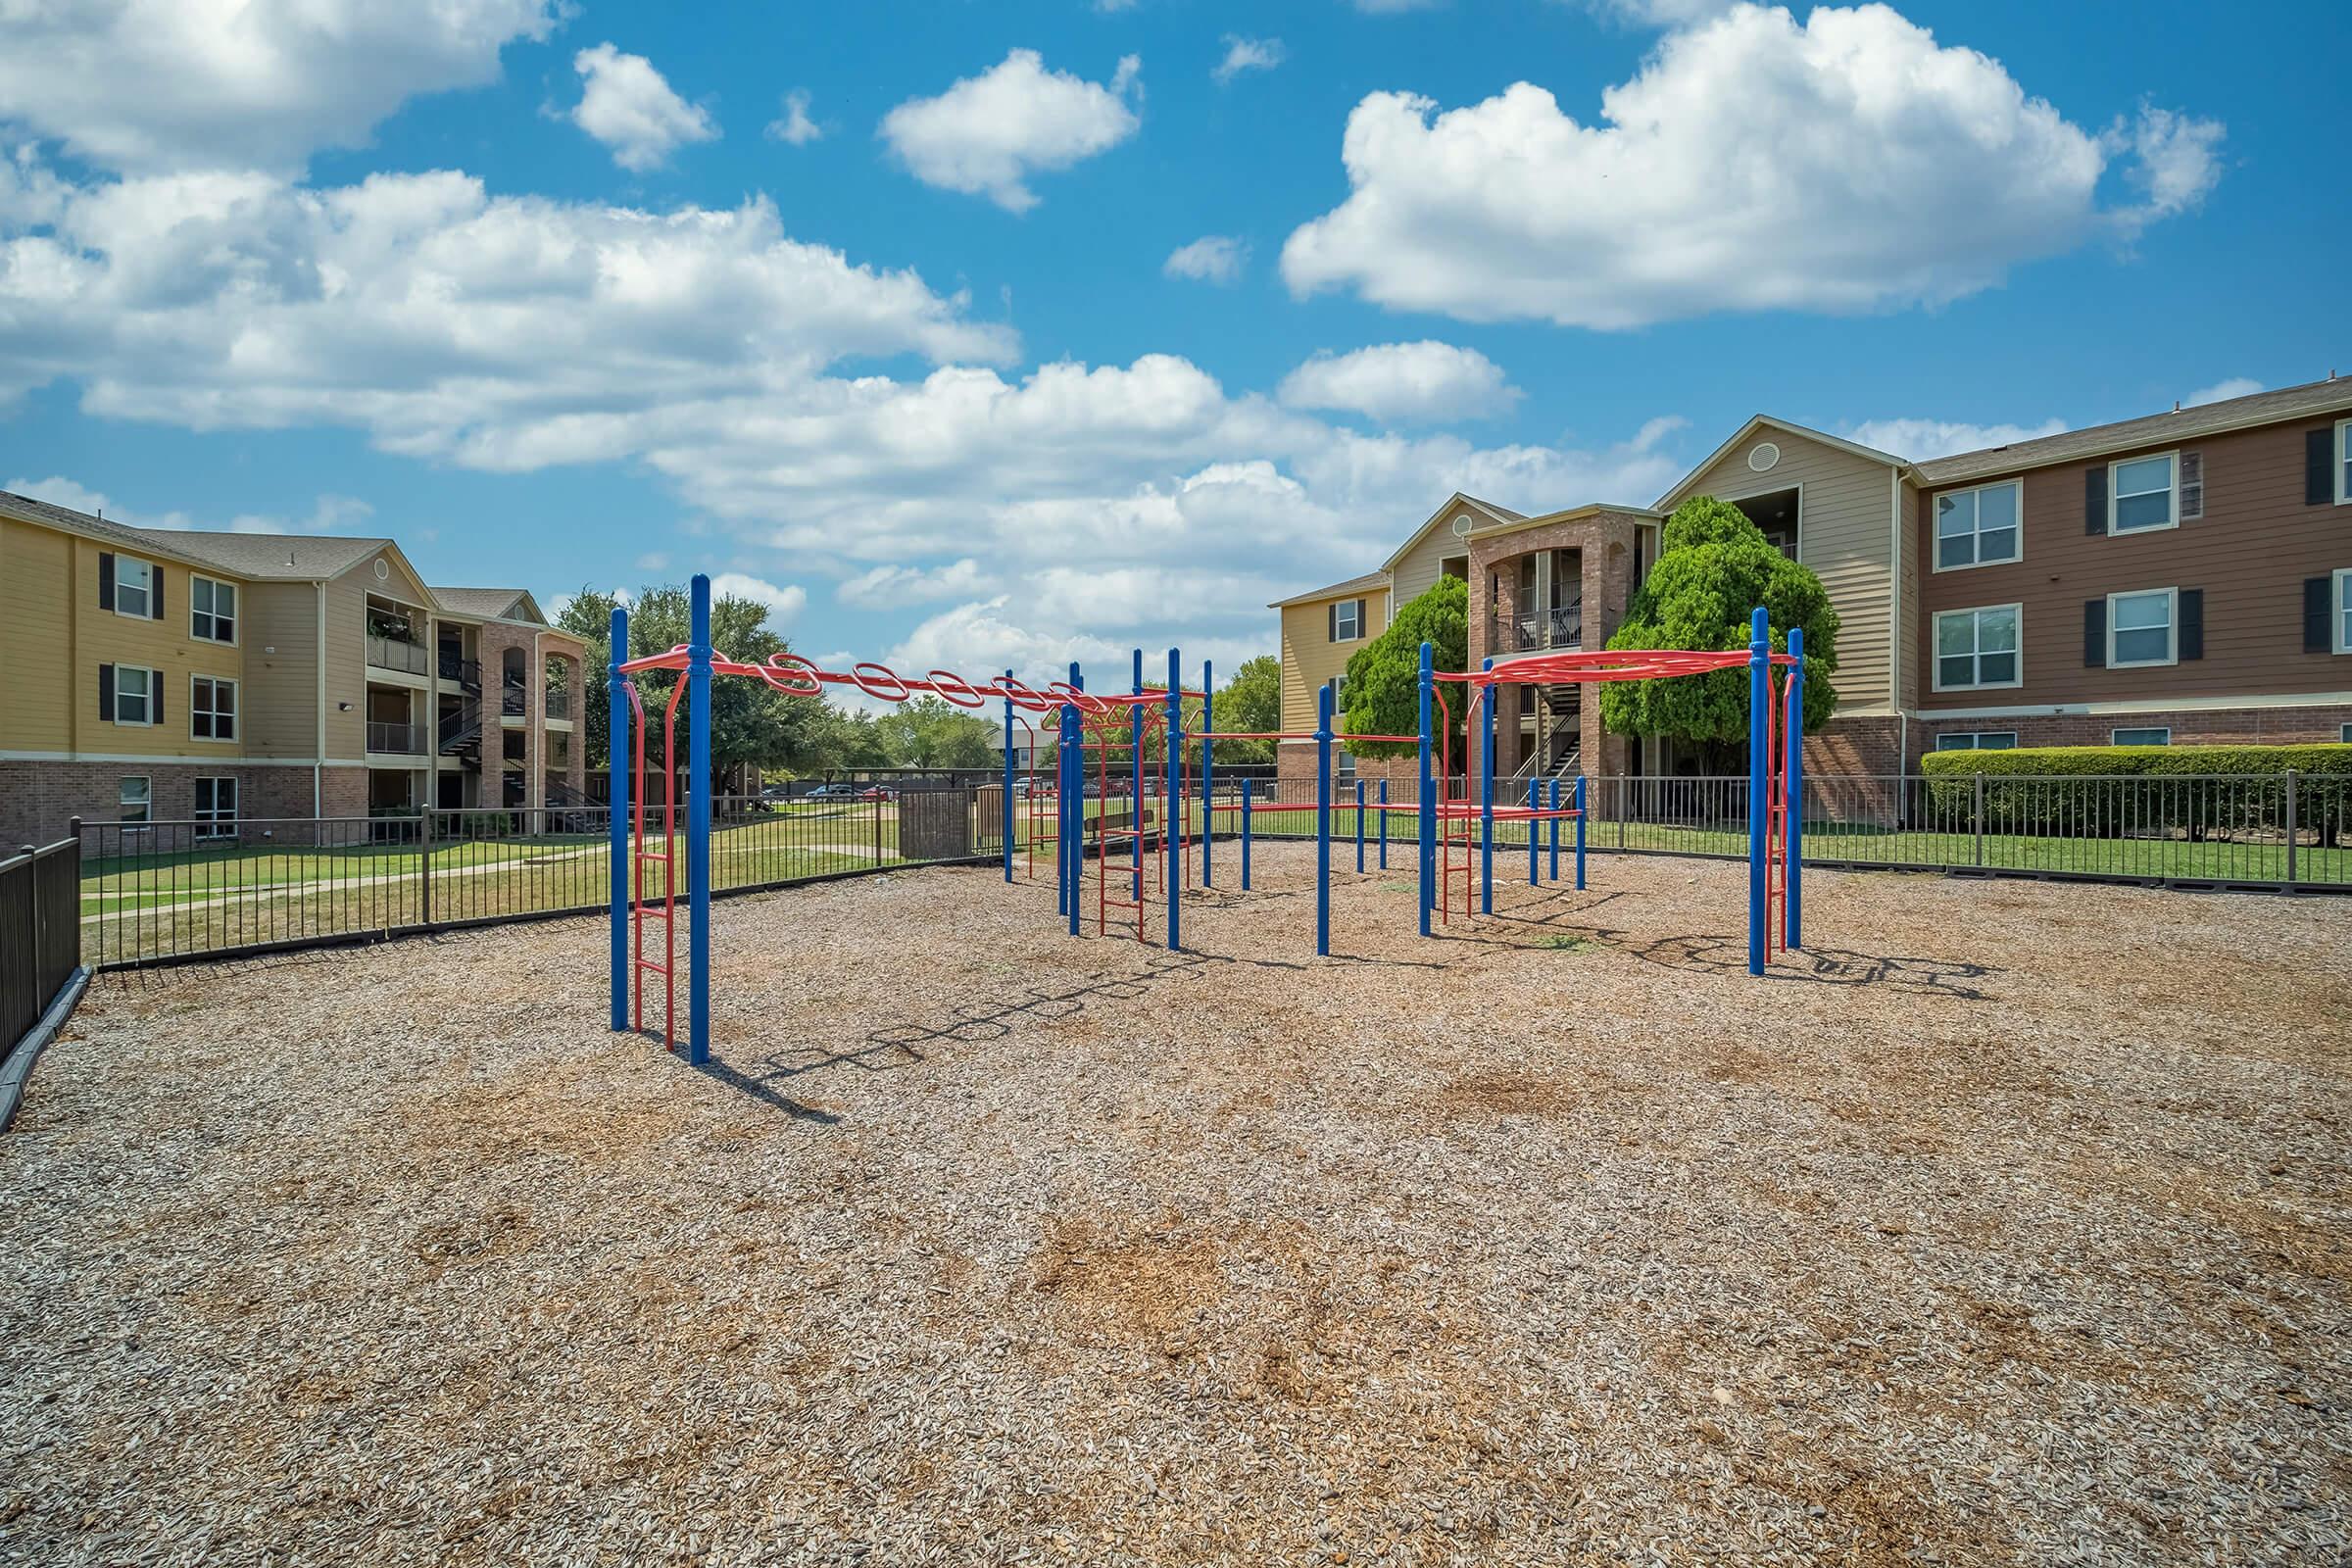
[557,703]
[1559,627]
[511,702]
[395,739]
[397,654]
[466,672]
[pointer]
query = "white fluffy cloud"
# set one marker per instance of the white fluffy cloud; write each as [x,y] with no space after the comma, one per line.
[988,133]
[630,108]
[327,512]
[794,125]
[1249,54]
[156,85]
[886,587]
[1865,167]
[1922,439]
[783,603]
[1421,383]
[1210,259]
[2236,386]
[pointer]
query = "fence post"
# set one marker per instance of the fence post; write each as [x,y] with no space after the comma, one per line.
[2293,829]
[424,856]
[1978,817]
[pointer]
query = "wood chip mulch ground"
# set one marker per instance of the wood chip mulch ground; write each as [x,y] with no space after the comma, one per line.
[2009,1225]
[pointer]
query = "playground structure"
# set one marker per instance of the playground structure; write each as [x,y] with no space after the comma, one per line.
[1155,853]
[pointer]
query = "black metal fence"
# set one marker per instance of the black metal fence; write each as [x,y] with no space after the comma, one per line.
[40,936]
[157,892]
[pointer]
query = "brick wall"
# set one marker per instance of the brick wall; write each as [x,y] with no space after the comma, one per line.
[2190,726]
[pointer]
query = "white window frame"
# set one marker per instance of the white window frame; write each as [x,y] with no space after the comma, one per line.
[2343,463]
[1936,537]
[2339,621]
[214,818]
[2173,458]
[1356,619]
[235,616]
[145,588]
[2171,628]
[155,682]
[145,807]
[2115,737]
[1936,653]
[236,708]
[1976,740]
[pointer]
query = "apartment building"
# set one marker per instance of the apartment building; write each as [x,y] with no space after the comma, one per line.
[166,675]
[2181,578]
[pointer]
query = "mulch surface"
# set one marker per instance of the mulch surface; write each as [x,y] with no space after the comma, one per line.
[2006,1225]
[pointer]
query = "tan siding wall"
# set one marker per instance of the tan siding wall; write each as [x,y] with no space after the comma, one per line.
[347,665]
[1910,672]
[2250,554]
[1309,657]
[1845,532]
[37,611]
[1415,573]
[281,699]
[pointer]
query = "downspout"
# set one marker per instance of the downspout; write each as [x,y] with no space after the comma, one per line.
[318,759]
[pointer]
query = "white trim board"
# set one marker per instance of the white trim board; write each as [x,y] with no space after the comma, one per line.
[2141,705]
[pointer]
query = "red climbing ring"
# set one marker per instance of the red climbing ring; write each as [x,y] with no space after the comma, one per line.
[1083,700]
[948,684]
[883,682]
[792,675]
[1025,697]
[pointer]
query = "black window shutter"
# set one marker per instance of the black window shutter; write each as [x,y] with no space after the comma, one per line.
[2316,594]
[1359,617]
[2095,634]
[106,687]
[106,579]
[1331,617]
[155,695]
[155,591]
[2318,467]
[2094,499]
[2192,486]
[2193,624]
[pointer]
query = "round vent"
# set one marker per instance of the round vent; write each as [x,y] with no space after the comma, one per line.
[1763,456]
[383,569]
[1461,526]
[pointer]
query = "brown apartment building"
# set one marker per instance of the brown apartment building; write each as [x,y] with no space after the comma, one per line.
[166,675]
[2183,578]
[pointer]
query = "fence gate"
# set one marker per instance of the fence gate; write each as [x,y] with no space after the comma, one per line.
[935,824]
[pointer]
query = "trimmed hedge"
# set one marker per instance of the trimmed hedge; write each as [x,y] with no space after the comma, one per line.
[2164,791]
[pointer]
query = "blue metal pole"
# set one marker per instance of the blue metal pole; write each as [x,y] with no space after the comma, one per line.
[1359,827]
[1323,820]
[1008,784]
[1134,786]
[1486,801]
[1796,788]
[617,708]
[1384,824]
[1554,868]
[1173,836]
[1247,785]
[1426,820]
[697,826]
[1073,796]
[1535,801]
[1759,646]
[1580,832]
[1208,772]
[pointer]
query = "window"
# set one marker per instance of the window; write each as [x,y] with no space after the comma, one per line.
[215,807]
[134,587]
[136,691]
[2140,494]
[2161,735]
[2346,735]
[1342,768]
[1348,621]
[135,796]
[1978,647]
[2343,610]
[212,610]
[2139,628]
[1984,740]
[2343,462]
[211,709]
[1976,528]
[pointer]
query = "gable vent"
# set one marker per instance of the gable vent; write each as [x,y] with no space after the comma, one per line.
[1762,456]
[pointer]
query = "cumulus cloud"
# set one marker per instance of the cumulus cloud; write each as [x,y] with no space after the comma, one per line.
[1657,13]
[2236,386]
[783,603]
[1922,439]
[987,134]
[164,84]
[1210,259]
[630,108]
[1425,383]
[327,512]
[887,587]
[794,125]
[1867,168]
[1249,54]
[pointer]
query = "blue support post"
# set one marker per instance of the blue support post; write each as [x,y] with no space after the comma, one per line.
[1247,786]
[1534,803]
[1323,820]
[1795,934]
[1554,868]
[1074,797]
[1759,649]
[1359,827]
[1486,799]
[1134,786]
[1008,783]
[1384,824]
[1580,832]
[1426,818]
[617,706]
[1209,774]
[698,827]
[1173,835]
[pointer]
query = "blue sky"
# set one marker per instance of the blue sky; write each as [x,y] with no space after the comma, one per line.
[573,294]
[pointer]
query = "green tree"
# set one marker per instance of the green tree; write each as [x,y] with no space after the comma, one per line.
[1714,569]
[1251,701]
[932,732]
[1383,682]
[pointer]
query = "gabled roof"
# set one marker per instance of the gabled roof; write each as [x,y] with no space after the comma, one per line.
[262,556]
[2331,396]
[490,603]
[1493,514]
[1369,581]
[1682,486]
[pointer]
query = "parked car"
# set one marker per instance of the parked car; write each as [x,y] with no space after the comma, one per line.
[877,792]
[835,792]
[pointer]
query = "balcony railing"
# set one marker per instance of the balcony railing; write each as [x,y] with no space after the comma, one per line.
[511,702]
[1559,627]
[466,672]
[396,652]
[399,740]
[559,705]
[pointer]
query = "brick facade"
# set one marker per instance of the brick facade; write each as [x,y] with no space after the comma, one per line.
[2318,725]
[1605,546]
[39,799]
